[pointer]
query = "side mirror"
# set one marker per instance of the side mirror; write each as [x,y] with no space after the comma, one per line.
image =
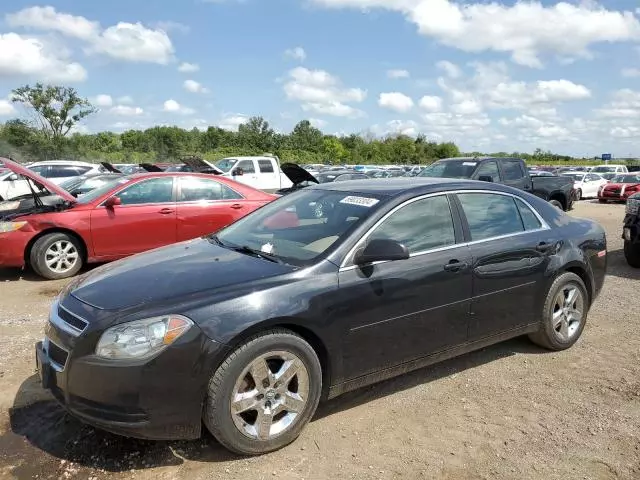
[12,178]
[112,202]
[381,249]
[238,172]
[485,178]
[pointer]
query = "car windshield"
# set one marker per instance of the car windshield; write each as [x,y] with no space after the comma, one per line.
[607,176]
[450,169]
[626,179]
[226,164]
[300,227]
[98,192]
[603,169]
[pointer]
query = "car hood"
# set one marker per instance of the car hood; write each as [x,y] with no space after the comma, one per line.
[620,184]
[200,165]
[297,174]
[170,273]
[52,187]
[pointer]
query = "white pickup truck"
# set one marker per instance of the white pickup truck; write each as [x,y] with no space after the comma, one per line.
[261,172]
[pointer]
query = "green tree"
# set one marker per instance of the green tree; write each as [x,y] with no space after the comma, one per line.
[306,137]
[334,150]
[55,110]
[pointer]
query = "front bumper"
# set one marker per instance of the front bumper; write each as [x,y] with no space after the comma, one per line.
[159,398]
[12,248]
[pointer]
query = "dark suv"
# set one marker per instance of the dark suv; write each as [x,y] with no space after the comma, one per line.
[631,231]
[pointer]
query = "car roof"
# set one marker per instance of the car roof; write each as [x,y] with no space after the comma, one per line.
[64,162]
[410,185]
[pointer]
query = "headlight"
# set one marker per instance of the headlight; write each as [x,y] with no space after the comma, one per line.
[633,205]
[11,226]
[142,338]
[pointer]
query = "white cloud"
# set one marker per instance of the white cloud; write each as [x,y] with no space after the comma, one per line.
[124,41]
[47,18]
[126,111]
[187,67]
[431,103]
[296,53]
[396,101]
[401,127]
[525,30]
[194,87]
[396,73]
[174,107]
[625,104]
[450,69]
[233,121]
[320,92]
[630,72]
[318,122]
[21,56]
[6,108]
[103,100]
[467,107]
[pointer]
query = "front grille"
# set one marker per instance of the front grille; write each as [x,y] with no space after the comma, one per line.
[71,319]
[57,354]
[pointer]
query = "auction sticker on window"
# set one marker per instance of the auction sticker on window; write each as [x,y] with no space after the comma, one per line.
[362,201]
[469,164]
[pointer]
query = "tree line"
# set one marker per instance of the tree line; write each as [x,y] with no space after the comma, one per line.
[54,112]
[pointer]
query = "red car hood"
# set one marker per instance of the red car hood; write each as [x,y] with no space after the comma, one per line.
[52,187]
[620,185]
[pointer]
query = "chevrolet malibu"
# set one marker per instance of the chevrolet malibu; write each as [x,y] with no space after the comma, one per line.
[246,330]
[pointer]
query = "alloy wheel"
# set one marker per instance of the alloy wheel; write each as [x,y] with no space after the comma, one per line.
[61,256]
[568,312]
[269,395]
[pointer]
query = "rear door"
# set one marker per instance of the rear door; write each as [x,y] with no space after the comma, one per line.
[514,174]
[146,219]
[205,205]
[511,248]
[268,174]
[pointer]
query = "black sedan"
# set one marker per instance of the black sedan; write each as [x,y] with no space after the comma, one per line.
[249,328]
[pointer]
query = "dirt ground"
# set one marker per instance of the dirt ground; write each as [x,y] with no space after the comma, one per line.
[508,411]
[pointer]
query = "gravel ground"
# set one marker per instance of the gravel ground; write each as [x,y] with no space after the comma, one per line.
[508,411]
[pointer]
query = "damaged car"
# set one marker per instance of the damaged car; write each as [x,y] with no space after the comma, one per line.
[56,233]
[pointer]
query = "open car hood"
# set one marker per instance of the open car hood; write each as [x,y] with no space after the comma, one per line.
[297,174]
[25,172]
[109,167]
[149,167]
[201,166]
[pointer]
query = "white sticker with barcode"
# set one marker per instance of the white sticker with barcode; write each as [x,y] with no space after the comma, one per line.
[362,201]
[469,164]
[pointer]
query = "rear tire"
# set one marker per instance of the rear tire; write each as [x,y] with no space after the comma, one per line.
[578,195]
[56,255]
[564,313]
[264,393]
[556,204]
[632,254]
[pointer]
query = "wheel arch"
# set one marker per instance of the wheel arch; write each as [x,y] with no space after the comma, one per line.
[307,334]
[83,245]
[560,197]
[581,271]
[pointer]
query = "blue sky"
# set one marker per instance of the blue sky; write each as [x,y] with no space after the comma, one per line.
[489,76]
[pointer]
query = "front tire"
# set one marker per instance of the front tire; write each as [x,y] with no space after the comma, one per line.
[564,313]
[632,254]
[556,204]
[578,195]
[264,393]
[56,255]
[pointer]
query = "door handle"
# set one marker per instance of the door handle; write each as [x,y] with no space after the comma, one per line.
[237,206]
[166,211]
[455,266]
[545,247]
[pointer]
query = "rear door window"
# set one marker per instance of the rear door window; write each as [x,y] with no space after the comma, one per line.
[265,166]
[512,170]
[490,215]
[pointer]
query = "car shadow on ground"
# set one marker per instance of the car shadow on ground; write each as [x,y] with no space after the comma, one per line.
[617,266]
[28,275]
[38,424]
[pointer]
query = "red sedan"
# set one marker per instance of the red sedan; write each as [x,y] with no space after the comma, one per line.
[619,188]
[56,234]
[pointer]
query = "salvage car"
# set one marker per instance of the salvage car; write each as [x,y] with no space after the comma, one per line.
[586,184]
[300,177]
[619,188]
[556,190]
[127,215]
[631,231]
[246,330]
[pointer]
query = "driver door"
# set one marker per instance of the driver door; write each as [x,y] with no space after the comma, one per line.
[398,311]
[146,219]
